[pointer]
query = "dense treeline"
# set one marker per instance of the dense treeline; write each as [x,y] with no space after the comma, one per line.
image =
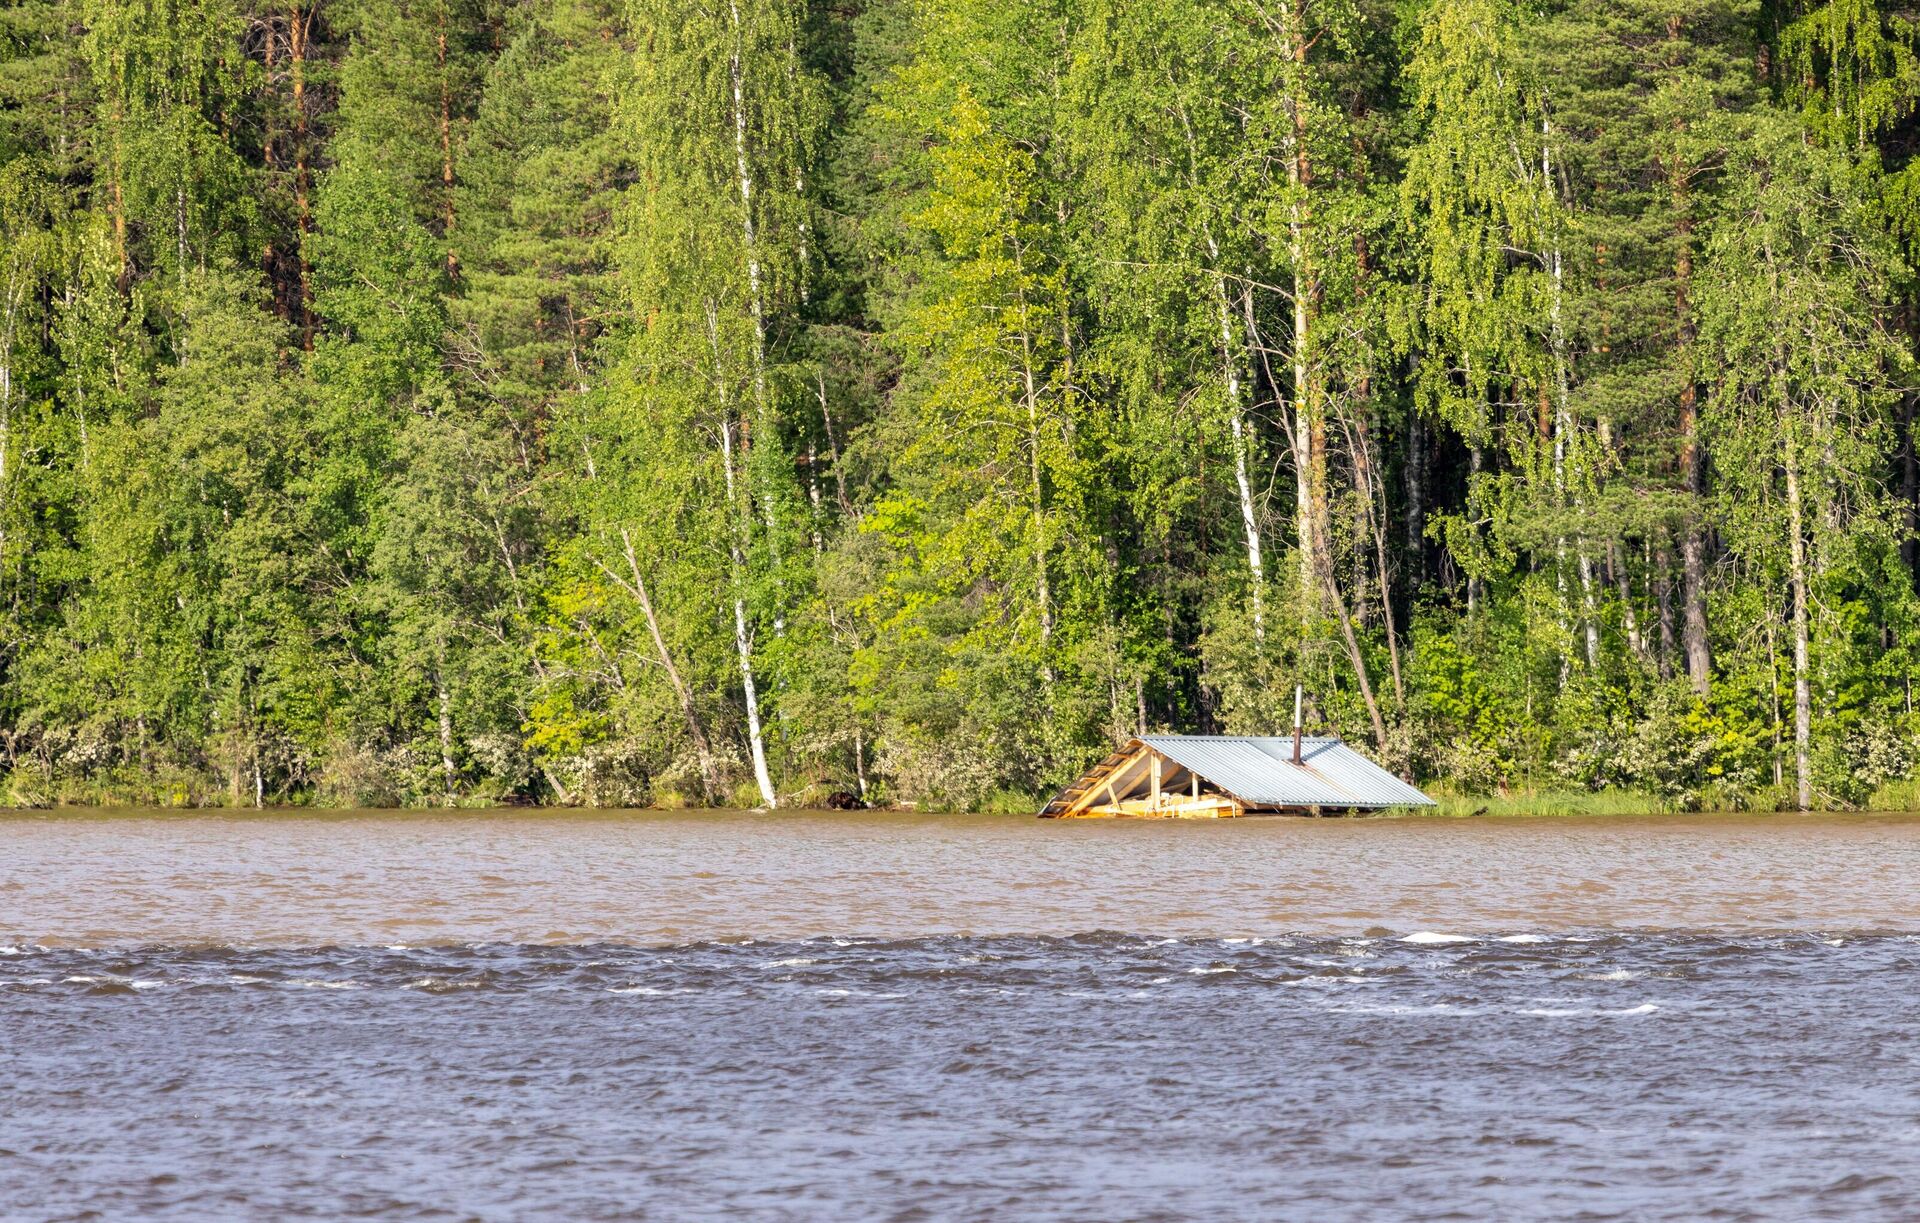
[435,400]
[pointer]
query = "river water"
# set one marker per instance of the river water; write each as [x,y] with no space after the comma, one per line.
[719,1015]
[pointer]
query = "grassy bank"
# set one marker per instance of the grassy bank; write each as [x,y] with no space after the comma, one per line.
[1898,797]
[27,789]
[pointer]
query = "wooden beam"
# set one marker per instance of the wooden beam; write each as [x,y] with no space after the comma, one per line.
[1153,771]
[1210,807]
[1111,788]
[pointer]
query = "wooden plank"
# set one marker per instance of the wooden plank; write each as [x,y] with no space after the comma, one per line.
[1131,773]
[1211,807]
[1153,771]
[1111,788]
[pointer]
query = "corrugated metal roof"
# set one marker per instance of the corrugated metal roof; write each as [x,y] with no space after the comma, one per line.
[1260,771]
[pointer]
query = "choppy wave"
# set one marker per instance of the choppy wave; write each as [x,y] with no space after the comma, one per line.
[1036,962]
[1106,1075]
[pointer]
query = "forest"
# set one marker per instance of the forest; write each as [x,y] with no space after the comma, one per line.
[729,402]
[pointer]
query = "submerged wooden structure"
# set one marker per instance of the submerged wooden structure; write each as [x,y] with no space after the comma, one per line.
[1220,776]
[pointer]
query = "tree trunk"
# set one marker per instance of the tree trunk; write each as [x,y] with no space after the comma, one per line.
[833,445]
[763,423]
[298,27]
[269,158]
[117,122]
[1043,590]
[1909,486]
[1416,492]
[738,517]
[446,146]
[696,730]
[1663,605]
[1797,579]
[1629,619]
[10,309]
[1309,412]
[1231,385]
[1249,518]
[860,760]
[445,702]
[1370,489]
[756,736]
[1357,658]
[1693,568]
[742,639]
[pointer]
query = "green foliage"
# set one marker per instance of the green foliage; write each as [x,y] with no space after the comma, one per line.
[461,401]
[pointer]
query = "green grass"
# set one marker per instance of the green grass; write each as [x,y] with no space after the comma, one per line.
[1539,802]
[1896,796]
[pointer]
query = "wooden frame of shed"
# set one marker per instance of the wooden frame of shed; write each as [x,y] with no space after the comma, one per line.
[1139,781]
[1225,777]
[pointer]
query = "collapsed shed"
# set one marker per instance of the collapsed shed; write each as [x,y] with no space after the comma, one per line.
[1222,776]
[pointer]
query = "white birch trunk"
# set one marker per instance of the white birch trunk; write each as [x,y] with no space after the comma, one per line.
[1229,371]
[743,640]
[1562,406]
[1307,427]
[1797,576]
[445,700]
[1249,519]
[737,519]
[1236,421]
[9,325]
[1305,526]
[756,294]
[1043,587]
[709,775]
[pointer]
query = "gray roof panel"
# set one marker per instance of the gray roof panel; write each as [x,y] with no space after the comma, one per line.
[1259,770]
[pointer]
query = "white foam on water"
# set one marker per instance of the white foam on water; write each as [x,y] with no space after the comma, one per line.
[1645,1008]
[9,949]
[645,991]
[1210,970]
[327,984]
[798,961]
[398,947]
[1524,938]
[148,984]
[239,979]
[1429,938]
[76,980]
[1618,974]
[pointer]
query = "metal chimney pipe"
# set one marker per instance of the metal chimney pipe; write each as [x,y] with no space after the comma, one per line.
[1298,689]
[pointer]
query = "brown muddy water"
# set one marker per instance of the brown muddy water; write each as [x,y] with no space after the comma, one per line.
[867,1016]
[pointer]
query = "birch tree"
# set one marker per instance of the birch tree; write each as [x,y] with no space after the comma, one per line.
[1801,356]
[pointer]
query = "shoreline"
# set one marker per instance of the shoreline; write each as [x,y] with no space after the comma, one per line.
[1450,808]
